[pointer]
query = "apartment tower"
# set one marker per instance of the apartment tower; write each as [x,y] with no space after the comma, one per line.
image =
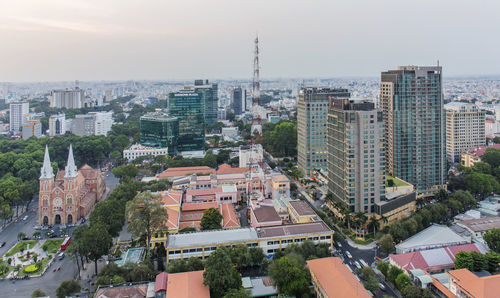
[312,112]
[412,103]
[356,156]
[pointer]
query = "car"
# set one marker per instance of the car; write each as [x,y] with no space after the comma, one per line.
[58,268]
[382,287]
[61,256]
[339,244]
[356,263]
[25,217]
[3,244]
[348,254]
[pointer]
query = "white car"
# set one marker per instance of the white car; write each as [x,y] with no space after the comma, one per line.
[356,263]
[348,254]
[25,217]
[339,244]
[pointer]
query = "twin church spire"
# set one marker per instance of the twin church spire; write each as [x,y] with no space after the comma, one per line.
[48,172]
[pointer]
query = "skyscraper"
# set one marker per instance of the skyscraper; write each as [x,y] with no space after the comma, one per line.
[412,102]
[312,112]
[237,100]
[70,99]
[18,115]
[160,130]
[465,129]
[209,93]
[356,157]
[189,106]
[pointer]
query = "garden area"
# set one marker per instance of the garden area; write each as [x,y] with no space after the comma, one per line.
[28,257]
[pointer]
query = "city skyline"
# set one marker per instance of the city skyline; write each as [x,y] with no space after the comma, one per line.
[86,40]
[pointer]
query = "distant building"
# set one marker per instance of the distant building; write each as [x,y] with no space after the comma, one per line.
[356,157]
[434,236]
[18,115]
[221,114]
[83,125]
[312,113]
[32,128]
[465,129]
[230,132]
[477,227]
[137,150]
[69,99]
[411,99]
[103,122]
[71,194]
[159,130]
[273,118]
[332,278]
[400,200]
[57,125]
[473,155]
[209,93]
[237,101]
[189,107]
[250,156]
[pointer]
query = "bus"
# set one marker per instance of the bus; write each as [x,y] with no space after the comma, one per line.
[363,263]
[65,243]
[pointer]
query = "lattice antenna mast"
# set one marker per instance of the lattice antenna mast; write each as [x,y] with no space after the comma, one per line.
[256,80]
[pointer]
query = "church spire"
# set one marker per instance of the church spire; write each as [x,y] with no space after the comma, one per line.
[70,171]
[47,171]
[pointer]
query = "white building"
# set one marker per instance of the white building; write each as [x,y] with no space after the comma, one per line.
[103,122]
[465,129]
[70,99]
[250,155]
[83,125]
[32,128]
[18,115]
[137,150]
[230,132]
[57,125]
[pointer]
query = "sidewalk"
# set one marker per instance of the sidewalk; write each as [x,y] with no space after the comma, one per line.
[361,246]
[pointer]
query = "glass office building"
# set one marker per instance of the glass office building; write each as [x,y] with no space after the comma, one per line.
[209,93]
[160,130]
[189,106]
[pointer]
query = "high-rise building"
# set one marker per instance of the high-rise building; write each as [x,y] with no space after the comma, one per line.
[412,102]
[103,122]
[57,125]
[32,128]
[237,100]
[312,112]
[159,130]
[356,157]
[18,115]
[209,93]
[70,99]
[465,129]
[83,125]
[189,106]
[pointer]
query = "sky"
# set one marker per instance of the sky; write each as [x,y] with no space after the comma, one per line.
[63,40]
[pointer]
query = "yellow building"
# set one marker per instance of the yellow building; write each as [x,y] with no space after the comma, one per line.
[300,212]
[171,201]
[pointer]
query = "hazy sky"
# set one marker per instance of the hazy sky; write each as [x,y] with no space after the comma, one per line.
[46,40]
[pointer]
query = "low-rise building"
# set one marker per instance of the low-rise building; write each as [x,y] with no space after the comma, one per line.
[174,173]
[477,227]
[133,290]
[301,212]
[137,150]
[251,155]
[181,285]
[332,278]
[259,286]
[270,239]
[434,236]
[464,283]
[471,156]
[221,194]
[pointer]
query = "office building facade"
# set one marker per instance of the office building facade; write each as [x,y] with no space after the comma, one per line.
[83,125]
[237,101]
[32,128]
[70,99]
[465,129]
[312,112]
[412,103]
[189,107]
[103,122]
[356,157]
[57,125]
[159,130]
[209,93]
[18,115]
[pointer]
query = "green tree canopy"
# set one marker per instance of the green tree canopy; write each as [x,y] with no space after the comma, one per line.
[38,293]
[386,243]
[402,281]
[290,276]
[97,241]
[67,288]
[211,219]
[220,275]
[492,238]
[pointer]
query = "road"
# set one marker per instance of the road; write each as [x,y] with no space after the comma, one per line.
[50,280]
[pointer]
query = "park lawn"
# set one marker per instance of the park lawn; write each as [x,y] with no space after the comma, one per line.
[8,271]
[19,245]
[52,245]
[45,262]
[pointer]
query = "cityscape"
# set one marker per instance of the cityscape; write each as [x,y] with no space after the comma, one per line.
[213,183]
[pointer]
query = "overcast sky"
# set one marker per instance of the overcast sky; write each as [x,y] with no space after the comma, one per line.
[47,40]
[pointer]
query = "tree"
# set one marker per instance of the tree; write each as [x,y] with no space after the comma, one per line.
[97,242]
[38,293]
[402,281]
[383,267]
[413,291]
[146,216]
[492,259]
[481,184]
[176,266]
[464,260]
[111,214]
[20,235]
[386,243]
[482,167]
[256,256]
[37,234]
[211,219]
[393,273]
[492,238]
[290,276]
[67,288]
[141,272]
[492,157]
[194,264]
[238,293]
[220,275]
[372,284]
[125,171]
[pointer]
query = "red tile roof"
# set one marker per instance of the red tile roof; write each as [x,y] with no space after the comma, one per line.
[187,285]
[183,171]
[173,218]
[161,282]
[198,206]
[479,151]
[229,218]
[203,191]
[227,169]
[190,224]
[171,197]
[484,287]
[336,279]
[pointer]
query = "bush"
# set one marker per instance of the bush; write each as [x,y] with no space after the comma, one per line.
[383,267]
[31,268]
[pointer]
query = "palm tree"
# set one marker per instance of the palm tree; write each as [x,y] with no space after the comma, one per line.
[383,220]
[373,224]
[420,202]
[37,234]
[20,235]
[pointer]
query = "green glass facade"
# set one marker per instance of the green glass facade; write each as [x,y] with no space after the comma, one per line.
[189,107]
[209,93]
[160,131]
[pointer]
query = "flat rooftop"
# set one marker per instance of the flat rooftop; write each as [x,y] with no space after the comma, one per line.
[481,224]
[296,229]
[397,182]
[211,237]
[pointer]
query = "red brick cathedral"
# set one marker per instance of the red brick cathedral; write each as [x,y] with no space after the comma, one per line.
[71,195]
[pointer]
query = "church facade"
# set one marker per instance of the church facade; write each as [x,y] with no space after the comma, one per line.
[71,194]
